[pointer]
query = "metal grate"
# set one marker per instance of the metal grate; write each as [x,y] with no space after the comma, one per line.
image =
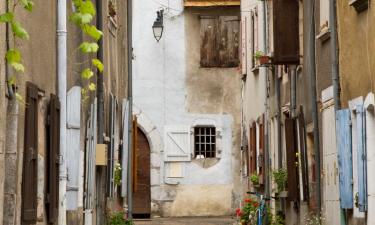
[204,142]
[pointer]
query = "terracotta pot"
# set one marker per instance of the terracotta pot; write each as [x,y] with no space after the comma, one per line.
[264,60]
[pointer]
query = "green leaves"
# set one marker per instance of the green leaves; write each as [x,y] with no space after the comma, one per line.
[27,4]
[13,57]
[98,64]
[80,18]
[87,74]
[87,47]
[87,7]
[19,31]
[92,31]
[92,87]
[6,17]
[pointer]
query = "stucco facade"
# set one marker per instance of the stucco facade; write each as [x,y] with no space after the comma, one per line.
[174,93]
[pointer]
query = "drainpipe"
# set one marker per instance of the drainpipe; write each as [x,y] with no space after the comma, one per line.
[334,55]
[130,96]
[61,87]
[311,72]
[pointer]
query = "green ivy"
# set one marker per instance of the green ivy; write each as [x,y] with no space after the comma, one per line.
[118,219]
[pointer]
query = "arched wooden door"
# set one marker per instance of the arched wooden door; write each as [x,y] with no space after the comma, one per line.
[142,190]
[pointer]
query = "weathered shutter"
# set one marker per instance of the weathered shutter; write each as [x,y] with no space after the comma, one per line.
[253,150]
[135,153]
[261,156]
[244,40]
[30,157]
[286,31]
[111,152]
[209,41]
[303,155]
[291,158]
[344,149]
[177,144]
[228,41]
[91,135]
[362,158]
[124,147]
[73,134]
[53,159]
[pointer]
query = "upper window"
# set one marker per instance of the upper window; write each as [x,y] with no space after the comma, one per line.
[205,142]
[219,41]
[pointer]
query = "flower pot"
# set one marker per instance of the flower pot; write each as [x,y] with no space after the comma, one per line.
[264,59]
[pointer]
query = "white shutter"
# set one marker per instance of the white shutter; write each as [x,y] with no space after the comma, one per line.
[177,144]
[124,152]
[73,146]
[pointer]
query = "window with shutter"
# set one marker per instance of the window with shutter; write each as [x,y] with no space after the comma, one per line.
[291,158]
[344,149]
[204,142]
[30,157]
[73,146]
[53,159]
[361,158]
[244,23]
[303,156]
[177,143]
[124,147]
[261,158]
[219,41]
[286,32]
[253,151]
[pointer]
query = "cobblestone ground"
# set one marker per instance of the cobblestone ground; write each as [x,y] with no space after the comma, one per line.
[187,221]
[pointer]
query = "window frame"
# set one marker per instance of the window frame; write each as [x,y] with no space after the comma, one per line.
[214,144]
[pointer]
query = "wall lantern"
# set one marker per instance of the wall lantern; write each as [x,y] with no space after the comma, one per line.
[158,27]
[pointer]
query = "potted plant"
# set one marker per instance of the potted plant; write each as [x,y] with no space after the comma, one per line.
[261,58]
[254,178]
[280,177]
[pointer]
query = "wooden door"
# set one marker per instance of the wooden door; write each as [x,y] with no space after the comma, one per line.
[142,191]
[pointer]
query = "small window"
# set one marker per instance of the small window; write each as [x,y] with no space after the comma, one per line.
[204,142]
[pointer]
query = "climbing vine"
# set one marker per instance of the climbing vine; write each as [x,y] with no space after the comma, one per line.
[82,17]
[13,55]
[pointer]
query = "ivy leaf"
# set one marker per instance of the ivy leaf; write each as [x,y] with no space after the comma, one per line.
[28,5]
[87,74]
[87,47]
[77,3]
[92,87]
[79,18]
[13,56]
[19,31]
[98,64]
[87,7]
[6,17]
[92,31]
[18,67]
[12,80]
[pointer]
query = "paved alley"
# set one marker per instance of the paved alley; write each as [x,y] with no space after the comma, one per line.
[187,221]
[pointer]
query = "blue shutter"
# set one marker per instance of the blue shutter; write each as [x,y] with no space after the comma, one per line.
[344,149]
[361,157]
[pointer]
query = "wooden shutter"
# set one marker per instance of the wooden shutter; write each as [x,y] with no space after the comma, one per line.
[261,156]
[209,41]
[362,158]
[73,120]
[135,152]
[303,155]
[244,40]
[124,147]
[53,159]
[344,150]
[91,141]
[30,157]
[228,41]
[286,31]
[253,150]
[111,149]
[291,158]
[177,144]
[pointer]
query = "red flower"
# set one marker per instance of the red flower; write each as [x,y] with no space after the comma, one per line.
[238,212]
[255,204]
[248,200]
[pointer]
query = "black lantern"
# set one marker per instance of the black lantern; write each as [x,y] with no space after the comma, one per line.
[158,27]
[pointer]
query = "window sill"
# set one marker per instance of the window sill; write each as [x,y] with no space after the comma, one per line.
[359,5]
[206,162]
[324,35]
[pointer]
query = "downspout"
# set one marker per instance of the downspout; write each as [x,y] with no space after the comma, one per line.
[61,87]
[266,112]
[334,55]
[130,96]
[101,171]
[311,72]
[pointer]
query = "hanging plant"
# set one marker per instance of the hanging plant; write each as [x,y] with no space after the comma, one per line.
[254,178]
[280,177]
[117,177]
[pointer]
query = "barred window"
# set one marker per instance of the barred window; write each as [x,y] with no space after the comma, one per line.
[205,142]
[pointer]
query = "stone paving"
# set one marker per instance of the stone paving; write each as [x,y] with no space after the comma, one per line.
[188,221]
